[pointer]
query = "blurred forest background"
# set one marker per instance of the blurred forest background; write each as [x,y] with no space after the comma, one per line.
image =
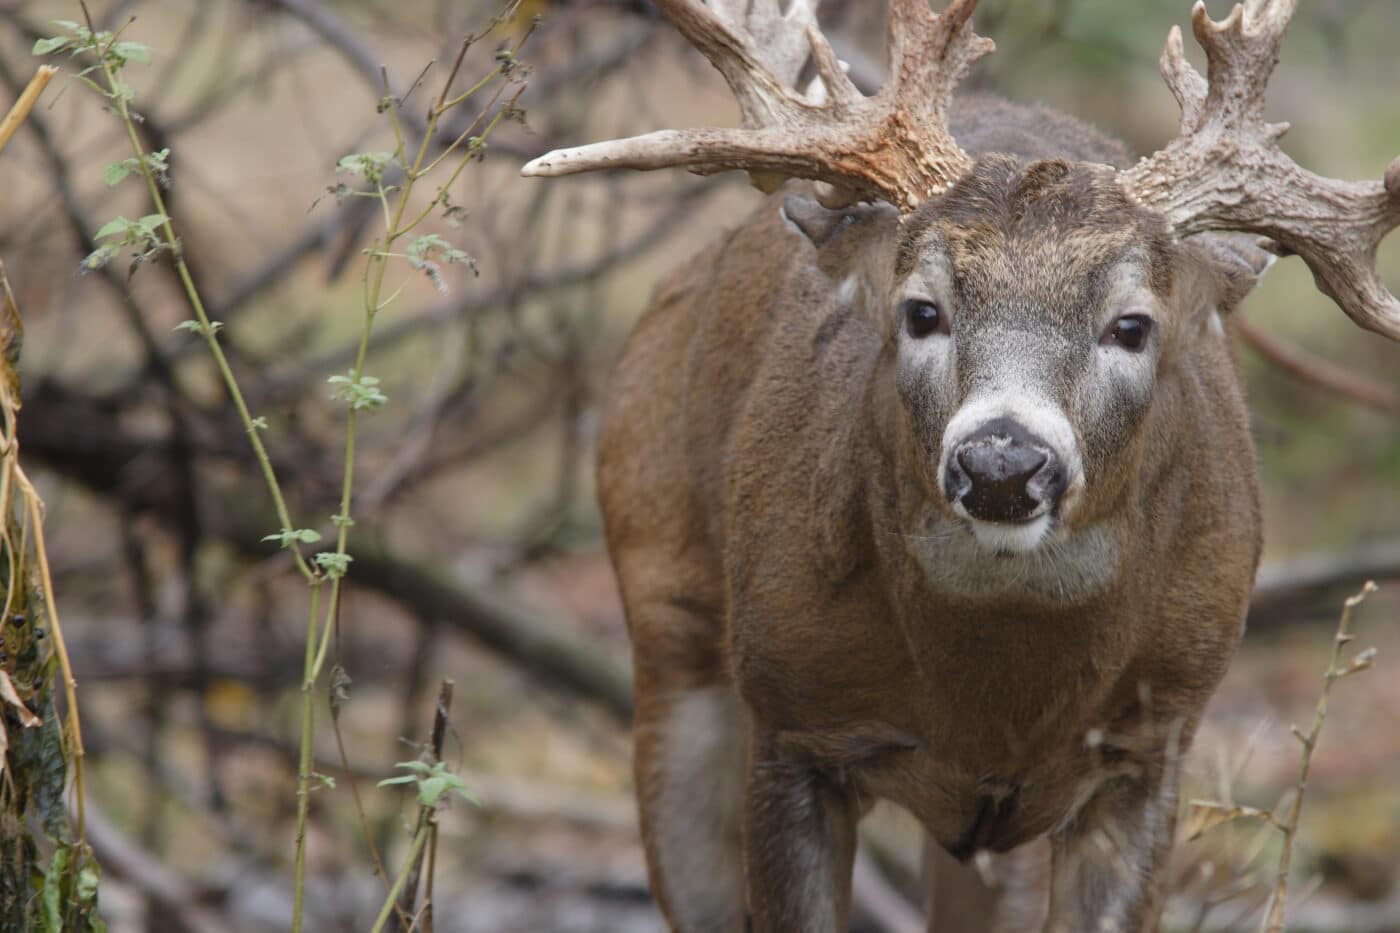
[477,552]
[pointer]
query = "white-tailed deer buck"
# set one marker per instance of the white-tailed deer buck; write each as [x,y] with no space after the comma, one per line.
[941,490]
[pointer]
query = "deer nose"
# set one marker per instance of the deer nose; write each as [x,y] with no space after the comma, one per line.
[1004,473]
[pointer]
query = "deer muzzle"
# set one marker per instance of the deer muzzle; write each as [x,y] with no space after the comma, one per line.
[1005,474]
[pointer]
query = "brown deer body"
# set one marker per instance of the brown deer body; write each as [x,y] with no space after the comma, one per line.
[951,503]
[781,535]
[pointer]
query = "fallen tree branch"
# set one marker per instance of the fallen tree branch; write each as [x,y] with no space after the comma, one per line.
[559,657]
[176,897]
[1284,584]
[1317,372]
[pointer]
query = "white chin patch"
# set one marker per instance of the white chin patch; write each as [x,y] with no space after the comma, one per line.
[1011,539]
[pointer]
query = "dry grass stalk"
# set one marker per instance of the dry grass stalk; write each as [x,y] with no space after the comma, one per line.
[25,103]
[1278,902]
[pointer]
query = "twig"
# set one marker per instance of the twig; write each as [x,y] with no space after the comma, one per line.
[352,778]
[31,520]
[1274,920]
[419,840]
[1317,372]
[432,755]
[26,102]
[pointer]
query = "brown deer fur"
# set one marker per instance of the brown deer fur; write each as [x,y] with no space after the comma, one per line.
[815,629]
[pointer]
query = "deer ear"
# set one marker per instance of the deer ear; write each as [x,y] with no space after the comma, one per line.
[1239,262]
[818,224]
[821,224]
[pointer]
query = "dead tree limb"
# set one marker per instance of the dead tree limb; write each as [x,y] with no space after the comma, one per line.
[176,897]
[1318,372]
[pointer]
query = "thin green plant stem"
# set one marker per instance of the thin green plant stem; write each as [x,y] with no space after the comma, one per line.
[321,626]
[375,272]
[314,644]
[360,813]
[316,649]
[308,723]
[197,305]
[420,838]
[428,882]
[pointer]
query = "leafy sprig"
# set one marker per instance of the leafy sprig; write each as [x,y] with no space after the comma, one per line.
[434,783]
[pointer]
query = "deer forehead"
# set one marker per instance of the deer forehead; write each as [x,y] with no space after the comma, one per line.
[1047,235]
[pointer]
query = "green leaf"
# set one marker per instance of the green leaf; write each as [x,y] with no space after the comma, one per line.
[117,171]
[50,916]
[87,883]
[291,537]
[434,782]
[369,165]
[335,565]
[426,244]
[425,249]
[112,228]
[85,891]
[131,52]
[51,45]
[431,789]
[362,394]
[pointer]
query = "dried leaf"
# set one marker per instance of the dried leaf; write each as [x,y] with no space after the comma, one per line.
[10,695]
[1204,815]
[38,758]
[11,336]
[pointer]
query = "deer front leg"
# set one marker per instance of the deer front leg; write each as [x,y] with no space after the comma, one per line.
[1107,865]
[689,767]
[800,843]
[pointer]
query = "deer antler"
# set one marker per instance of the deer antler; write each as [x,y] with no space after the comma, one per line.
[1226,171]
[894,146]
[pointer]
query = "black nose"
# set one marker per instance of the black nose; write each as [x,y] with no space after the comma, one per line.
[1004,473]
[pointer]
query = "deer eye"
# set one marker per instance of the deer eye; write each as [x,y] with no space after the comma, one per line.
[1129,332]
[922,318]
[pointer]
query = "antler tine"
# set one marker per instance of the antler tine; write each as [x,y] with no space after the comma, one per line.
[1185,82]
[1226,172]
[758,50]
[894,146]
[930,54]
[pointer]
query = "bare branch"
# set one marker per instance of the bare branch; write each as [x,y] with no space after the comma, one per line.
[1317,372]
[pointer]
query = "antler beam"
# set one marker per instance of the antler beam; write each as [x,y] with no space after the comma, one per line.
[894,146]
[1226,171]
